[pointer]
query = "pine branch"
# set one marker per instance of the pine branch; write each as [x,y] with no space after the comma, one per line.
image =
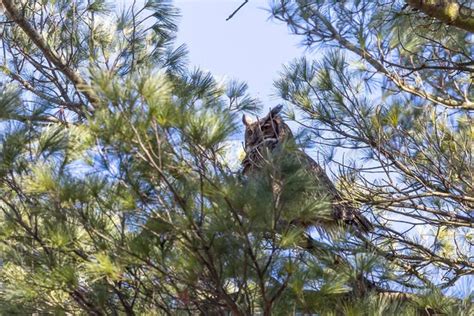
[447,11]
[378,65]
[75,107]
[15,15]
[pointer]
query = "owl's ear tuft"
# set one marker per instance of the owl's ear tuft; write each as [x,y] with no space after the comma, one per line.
[246,120]
[276,109]
[273,113]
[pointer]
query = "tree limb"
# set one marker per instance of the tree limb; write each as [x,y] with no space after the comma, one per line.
[447,11]
[400,83]
[15,15]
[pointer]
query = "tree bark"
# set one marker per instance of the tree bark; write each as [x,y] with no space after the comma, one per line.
[448,11]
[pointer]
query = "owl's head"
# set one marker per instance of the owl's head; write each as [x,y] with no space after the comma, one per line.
[263,135]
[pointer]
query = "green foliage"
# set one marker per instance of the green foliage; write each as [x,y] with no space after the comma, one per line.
[381,94]
[115,197]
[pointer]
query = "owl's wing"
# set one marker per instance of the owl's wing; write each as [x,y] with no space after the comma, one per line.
[342,211]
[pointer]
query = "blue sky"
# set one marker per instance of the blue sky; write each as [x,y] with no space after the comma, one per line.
[249,47]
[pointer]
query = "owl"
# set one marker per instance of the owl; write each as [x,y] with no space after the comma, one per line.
[266,135]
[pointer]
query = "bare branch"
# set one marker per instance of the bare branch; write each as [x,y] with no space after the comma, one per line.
[237,10]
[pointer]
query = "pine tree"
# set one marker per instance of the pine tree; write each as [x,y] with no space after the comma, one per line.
[116,196]
[392,90]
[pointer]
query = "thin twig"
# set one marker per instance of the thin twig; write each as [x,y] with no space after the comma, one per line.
[237,10]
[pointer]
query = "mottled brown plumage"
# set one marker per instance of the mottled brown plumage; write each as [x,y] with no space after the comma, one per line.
[267,134]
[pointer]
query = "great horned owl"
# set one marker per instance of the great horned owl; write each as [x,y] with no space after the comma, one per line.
[265,135]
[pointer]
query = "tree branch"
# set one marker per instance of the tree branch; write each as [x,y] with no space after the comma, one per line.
[447,11]
[451,103]
[15,15]
[237,10]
